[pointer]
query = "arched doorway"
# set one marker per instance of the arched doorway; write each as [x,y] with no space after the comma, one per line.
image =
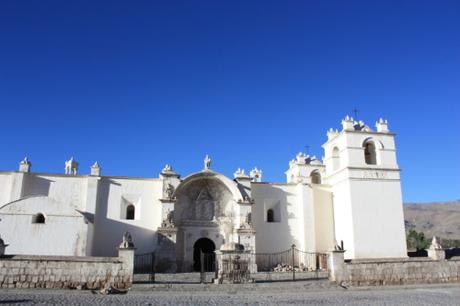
[207,247]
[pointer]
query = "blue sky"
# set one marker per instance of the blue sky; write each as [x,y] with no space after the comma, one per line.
[137,84]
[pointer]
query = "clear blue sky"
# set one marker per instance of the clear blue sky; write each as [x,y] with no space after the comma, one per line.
[137,84]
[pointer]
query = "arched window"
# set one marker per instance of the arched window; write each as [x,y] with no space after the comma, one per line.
[335,159]
[315,177]
[270,215]
[130,210]
[38,218]
[370,155]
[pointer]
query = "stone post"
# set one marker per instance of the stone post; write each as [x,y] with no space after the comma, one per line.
[436,251]
[336,266]
[126,256]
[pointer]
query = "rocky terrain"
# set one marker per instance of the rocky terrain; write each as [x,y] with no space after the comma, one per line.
[434,219]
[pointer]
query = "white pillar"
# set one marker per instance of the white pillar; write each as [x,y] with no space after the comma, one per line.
[336,266]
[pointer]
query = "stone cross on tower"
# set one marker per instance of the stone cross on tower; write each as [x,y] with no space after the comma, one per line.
[355,111]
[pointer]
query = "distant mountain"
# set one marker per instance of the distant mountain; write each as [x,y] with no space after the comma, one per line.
[440,219]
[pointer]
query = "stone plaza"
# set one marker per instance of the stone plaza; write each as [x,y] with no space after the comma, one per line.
[299,293]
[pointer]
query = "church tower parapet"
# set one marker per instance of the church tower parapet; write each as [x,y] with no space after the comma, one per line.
[305,169]
[382,126]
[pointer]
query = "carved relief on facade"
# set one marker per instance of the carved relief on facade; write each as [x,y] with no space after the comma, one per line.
[169,192]
[168,222]
[204,206]
[372,174]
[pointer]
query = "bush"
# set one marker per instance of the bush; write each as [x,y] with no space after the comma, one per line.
[417,240]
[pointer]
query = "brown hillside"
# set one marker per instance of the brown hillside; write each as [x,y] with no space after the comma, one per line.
[434,219]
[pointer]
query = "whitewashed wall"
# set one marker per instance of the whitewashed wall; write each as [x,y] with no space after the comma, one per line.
[84,215]
[5,187]
[110,223]
[59,199]
[275,236]
[324,219]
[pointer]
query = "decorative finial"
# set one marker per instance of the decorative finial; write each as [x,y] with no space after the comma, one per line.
[435,245]
[25,165]
[382,126]
[239,174]
[95,169]
[256,175]
[168,171]
[127,242]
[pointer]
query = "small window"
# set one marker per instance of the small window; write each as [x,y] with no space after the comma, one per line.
[130,211]
[270,215]
[38,219]
[315,177]
[370,155]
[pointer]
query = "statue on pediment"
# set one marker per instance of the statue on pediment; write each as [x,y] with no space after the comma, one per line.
[170,192]
[207,162]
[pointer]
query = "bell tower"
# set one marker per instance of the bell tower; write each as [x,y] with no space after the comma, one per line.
[362,170]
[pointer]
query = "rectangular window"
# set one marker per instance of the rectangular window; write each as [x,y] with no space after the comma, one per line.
[272,211]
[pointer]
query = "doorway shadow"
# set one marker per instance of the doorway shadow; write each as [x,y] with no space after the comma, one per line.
[203,254]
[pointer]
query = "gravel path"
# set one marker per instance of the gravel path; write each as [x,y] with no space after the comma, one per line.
[418,296]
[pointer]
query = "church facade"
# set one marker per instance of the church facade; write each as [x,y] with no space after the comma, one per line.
[351,199]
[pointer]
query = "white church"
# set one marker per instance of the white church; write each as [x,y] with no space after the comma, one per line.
[352,199]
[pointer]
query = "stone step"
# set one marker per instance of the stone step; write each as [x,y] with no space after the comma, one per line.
[274,286]
[188,281]
[258,277]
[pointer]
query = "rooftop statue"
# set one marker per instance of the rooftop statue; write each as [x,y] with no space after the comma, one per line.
[207,162]
[71,166]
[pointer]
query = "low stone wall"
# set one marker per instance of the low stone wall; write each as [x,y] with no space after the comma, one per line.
[23,271]
[287,276]
[394,271]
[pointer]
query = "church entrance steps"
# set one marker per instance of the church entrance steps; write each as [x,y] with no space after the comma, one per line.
[273,286]
[260,277]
